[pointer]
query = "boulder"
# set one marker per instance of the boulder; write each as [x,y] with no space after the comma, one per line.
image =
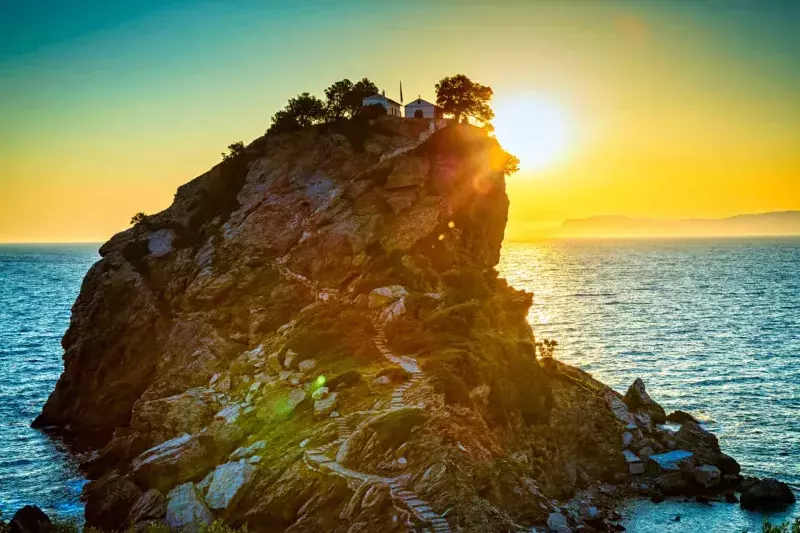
[646,452]
[325,405]
[394,310]
[307,365]
[294,398]
[186,510]
[230,413]
[681,417]
[693,437]
[256,354]
[707,476]
[627,439]
[705,446]
[616,405]
[30,519]
[109,500]
[175,461]
[168,417]
[290,359]
[767,493]
[152,505]
[383,296]
[727,464]
[247,451]
[730,496]
[637,399]
[320,393]
[558,523]
[674,483]
[228,484]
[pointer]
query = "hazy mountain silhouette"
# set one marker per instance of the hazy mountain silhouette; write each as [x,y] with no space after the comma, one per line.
[774,223]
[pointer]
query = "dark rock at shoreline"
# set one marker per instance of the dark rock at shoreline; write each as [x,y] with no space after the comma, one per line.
[109,500]
[638,400]
[705,446]
[681,417]
[693,437]
[767,493]
[730,497]
[30,519]
[151,506]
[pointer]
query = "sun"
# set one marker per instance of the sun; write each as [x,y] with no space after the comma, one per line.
[534,128]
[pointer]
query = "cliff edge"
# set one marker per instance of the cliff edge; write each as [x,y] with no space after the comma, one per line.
[313,337]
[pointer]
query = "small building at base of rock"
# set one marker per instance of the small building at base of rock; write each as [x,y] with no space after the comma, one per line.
[420,108]
[392,107]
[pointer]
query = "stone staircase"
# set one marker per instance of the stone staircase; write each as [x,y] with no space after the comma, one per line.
[343,429]
[419,507]
[318,458]
[398,394]
[409,364]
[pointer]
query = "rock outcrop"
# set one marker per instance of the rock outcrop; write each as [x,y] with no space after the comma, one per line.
[313,337]
[769,494]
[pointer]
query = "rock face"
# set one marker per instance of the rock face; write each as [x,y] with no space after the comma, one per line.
[313,337]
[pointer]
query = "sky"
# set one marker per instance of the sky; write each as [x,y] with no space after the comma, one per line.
[671,109]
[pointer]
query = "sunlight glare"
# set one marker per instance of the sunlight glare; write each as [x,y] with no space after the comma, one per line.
[535,129]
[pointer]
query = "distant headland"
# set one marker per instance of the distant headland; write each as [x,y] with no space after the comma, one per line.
[777,223]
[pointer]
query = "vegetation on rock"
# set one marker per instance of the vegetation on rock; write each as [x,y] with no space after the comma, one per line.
[461,96]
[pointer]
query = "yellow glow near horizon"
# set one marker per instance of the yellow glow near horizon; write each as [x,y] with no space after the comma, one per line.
[533,128]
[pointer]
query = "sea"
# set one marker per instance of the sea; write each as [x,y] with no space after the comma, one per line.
[712,326]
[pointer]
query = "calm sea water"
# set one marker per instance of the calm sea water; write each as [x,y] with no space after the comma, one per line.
[38,285]
[712,326]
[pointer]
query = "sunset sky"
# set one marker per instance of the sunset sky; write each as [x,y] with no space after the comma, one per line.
[670,109]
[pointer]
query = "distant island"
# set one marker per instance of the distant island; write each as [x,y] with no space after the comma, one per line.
[762,224]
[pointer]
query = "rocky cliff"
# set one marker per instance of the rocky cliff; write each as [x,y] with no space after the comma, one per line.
[313,337]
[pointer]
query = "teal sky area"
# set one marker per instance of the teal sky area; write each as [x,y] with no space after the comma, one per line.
[108,106]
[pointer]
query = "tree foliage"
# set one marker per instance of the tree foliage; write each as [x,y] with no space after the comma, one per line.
[337,99]
[137,218]
[511,165]
[301,111]
[234,150]
[460,96]
[343,98]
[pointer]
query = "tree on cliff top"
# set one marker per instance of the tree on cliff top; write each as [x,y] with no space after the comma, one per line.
[302,111]
[344,97]
[234,150]
[459,95]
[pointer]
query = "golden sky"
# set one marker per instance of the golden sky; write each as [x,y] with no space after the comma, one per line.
[675,109]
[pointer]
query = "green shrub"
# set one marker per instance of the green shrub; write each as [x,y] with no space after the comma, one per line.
[785,527]
[345,379]
[234,150]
